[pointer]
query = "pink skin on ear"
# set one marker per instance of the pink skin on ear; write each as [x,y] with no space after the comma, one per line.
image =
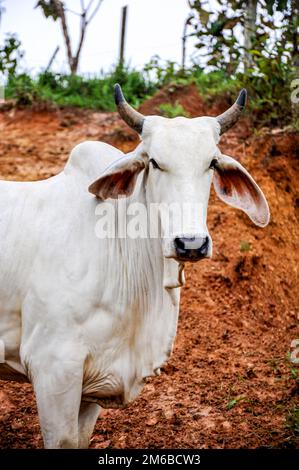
[234,185]
[119,180]
[113,186]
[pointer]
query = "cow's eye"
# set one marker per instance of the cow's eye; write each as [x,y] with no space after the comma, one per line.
[154,163]
[213,164]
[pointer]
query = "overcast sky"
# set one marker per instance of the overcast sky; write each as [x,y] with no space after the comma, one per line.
[154,27]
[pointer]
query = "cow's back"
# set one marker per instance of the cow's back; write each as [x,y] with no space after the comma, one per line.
[31,213]
[89,159]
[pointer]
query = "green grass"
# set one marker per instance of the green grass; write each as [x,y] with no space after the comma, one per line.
[245,246]
[171,111]
[97,92]
[292,421]
[232,403]
[74,90]
[215,83]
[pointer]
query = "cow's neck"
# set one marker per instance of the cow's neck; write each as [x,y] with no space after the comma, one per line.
[147,271]
[141,273]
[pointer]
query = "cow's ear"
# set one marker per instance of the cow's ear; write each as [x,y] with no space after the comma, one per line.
[119,179]
[234,185]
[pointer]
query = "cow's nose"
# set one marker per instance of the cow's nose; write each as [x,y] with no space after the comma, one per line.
[191,248]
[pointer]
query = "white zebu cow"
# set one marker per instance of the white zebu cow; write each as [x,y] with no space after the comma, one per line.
[84,319]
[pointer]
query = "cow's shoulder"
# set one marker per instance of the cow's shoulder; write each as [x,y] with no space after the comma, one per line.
[89,159]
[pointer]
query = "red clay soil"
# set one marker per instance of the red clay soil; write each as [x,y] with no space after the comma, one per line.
[229,382]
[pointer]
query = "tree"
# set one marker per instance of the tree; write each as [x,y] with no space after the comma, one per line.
[10,56]
[255,42]
[56,9]
[216,30]
[249,32]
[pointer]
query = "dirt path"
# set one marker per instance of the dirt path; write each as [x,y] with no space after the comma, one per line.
[229,382]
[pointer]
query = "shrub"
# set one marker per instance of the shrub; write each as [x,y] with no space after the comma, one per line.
[22,88]
[171,111]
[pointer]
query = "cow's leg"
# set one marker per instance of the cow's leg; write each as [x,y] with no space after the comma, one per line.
[88,415]
[58,389]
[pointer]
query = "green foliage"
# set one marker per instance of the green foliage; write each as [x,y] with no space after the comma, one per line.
[269,91]
[216,32]
[171,111]
[49,8]
[97,93]
[163,72]
[215,83]
[221,32]
[273,60]
[294,374]
[209,83]
[245,246]
[234,402]
[22,88]
[10,55]
[292,421]
[74,90]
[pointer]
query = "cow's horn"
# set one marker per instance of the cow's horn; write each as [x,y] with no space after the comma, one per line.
[231,115]
[129,115]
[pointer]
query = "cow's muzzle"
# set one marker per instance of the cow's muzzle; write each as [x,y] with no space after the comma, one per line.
[192,248]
